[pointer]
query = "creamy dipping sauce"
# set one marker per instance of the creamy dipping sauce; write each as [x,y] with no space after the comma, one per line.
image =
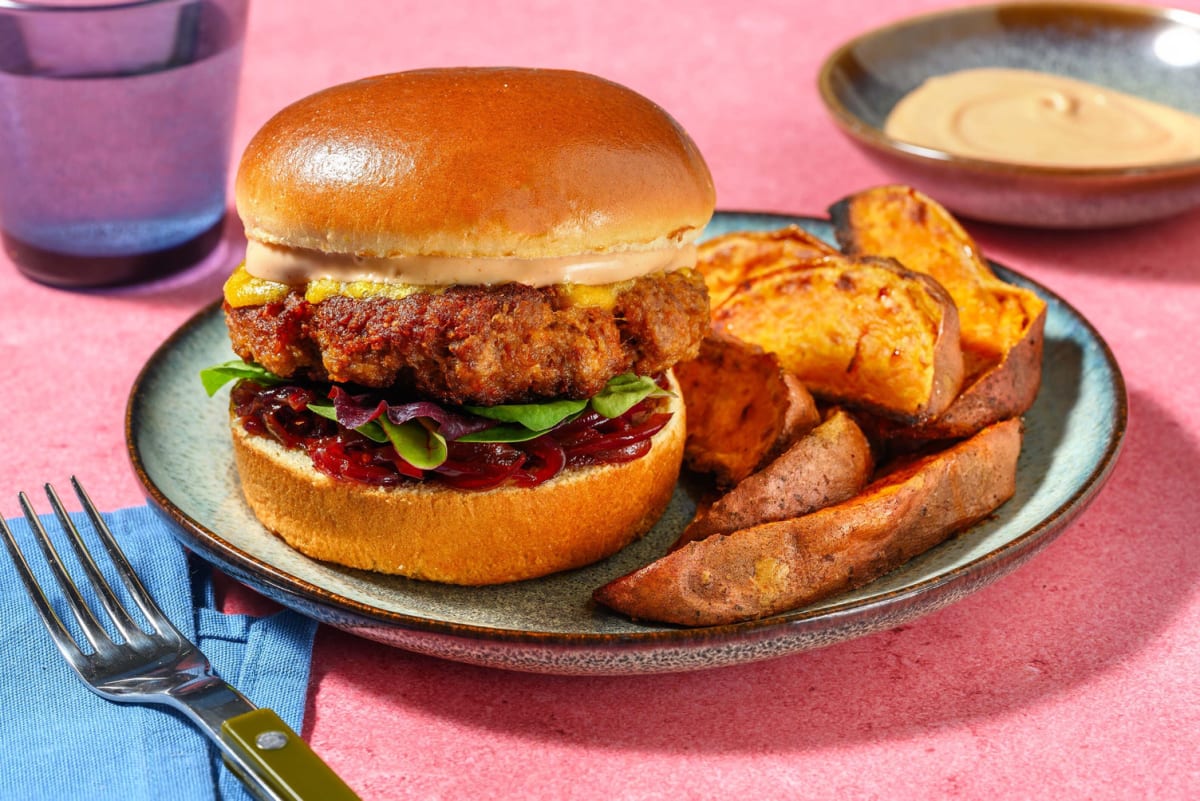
[1027,117]
[292,266]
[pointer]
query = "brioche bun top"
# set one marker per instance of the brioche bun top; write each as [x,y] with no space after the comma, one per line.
[474,163]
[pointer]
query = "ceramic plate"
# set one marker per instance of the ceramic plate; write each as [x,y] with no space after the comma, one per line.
[179,444]
[1138,49]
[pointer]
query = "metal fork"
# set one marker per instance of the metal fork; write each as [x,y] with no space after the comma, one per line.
[163,667]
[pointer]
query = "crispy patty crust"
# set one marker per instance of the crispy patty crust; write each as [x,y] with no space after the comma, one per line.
[478,345]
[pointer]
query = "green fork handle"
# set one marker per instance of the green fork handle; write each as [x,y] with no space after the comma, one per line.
[281,759]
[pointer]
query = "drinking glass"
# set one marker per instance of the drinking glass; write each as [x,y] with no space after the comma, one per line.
[115,128]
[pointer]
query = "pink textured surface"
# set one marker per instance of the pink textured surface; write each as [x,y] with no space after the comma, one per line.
[1073,678]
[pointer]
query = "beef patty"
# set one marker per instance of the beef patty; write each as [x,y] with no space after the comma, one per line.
[478,345]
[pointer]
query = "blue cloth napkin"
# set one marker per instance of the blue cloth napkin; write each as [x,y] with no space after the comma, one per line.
[60,741]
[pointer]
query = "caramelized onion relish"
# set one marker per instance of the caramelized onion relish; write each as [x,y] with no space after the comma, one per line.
[282,413]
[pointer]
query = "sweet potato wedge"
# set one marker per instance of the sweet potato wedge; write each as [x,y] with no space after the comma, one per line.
[909,226]
[901,223]
[1002,389]
[1001,325]
[860,331]
[726,261]
[827,465]
[995,390]
[775,567]
[742,409]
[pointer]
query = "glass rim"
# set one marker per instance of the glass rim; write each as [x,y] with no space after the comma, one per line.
[101,5]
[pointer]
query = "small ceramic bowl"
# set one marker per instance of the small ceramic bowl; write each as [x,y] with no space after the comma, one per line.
[1150,52]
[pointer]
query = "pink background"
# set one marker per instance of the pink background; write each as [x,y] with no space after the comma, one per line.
[1075,677]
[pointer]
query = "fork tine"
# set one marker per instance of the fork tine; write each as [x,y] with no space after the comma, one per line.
[92,629]
[58,632]
[129,577]
[129,628]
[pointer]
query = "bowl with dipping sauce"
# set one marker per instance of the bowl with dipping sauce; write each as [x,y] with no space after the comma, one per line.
[1051,115]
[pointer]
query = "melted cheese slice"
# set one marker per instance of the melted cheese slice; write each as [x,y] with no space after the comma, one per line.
[243,289]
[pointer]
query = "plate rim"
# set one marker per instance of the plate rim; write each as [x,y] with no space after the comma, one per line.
[873,136]
[973,574]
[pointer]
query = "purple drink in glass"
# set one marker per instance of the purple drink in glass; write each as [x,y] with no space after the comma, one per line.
[115,128]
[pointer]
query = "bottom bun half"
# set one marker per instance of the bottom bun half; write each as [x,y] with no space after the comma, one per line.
[436,533]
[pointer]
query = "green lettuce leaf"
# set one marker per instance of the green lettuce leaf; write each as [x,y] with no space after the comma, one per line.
[508,433]
[528,420]
[421,447]
[624,392]
[533,416]
[217,376]
[372,430]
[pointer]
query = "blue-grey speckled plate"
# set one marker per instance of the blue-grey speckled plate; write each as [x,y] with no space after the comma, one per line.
[1139,49]
[179,443]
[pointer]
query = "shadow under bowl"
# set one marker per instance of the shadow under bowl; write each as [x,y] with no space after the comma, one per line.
[1150,52]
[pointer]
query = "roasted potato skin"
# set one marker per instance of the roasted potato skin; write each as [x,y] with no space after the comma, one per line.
[930,354]
[729,260]
[775,567]
[743,409]
[902,223]
[1002,326]
[860,331]
[828,465]
[1006,389]
[999,391]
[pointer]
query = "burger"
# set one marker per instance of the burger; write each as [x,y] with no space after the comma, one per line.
[463,293]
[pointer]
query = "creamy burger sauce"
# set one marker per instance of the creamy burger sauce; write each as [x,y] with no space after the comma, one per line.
[1029,117]
[270,271]
[293,266]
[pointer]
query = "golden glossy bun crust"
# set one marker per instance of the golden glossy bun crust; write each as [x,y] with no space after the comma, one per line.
[487,162]
[454,536]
